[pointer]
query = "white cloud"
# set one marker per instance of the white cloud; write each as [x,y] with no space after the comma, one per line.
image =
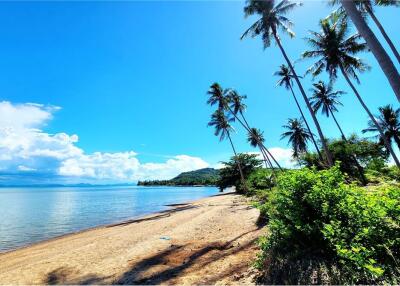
[27,115]
[284,156]
[24,147]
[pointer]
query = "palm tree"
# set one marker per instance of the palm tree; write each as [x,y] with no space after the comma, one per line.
[223,129]
[326,100]
[285,80]
[236,107]
[389,119]
[375,46]
[217,96]
[227,98]
[366,7]
[255,137]
[272,18]
[335,51]
[298,136]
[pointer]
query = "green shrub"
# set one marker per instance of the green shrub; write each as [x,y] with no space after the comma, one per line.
[341,233]
[230,175]
[353,155]
[261,179]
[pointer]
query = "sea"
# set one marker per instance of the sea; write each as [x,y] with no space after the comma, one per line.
[29,215]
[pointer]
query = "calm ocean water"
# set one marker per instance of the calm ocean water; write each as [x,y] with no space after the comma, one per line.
[29,215]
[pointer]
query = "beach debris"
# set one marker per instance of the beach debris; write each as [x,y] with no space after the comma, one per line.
[165,238]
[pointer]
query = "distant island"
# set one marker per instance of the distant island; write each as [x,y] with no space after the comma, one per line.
[202,177]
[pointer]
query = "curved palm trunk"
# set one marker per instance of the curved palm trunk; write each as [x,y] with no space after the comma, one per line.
[305,121]
[237,161]
[337,124]
[385,140]
[266,160]
[375,46]
[248,128]
[321,135]
[383,32]
[360,169]
[397,140]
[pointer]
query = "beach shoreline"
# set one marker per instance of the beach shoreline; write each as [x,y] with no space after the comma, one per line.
[170,207]
[115,253]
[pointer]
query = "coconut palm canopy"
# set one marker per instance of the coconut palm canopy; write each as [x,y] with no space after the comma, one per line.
[255,136]
[236,101]
[324,98]
[297,135]
[389,118]
[221,123]
[285,76]
[272,18]
[333,47]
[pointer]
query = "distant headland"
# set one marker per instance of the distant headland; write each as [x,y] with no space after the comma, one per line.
[201,177]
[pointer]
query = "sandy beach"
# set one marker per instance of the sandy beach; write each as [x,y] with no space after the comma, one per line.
[209,241]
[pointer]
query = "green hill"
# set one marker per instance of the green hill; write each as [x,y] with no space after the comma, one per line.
[202,177]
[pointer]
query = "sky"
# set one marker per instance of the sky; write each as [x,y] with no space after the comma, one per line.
[108,92]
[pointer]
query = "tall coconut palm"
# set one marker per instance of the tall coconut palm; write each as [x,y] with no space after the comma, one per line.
[297,135]
[231,101]
[375,46]
[367,7]
[255,137]
[389,119]
[236,106]
[325,99]
[285,80]
[335,51]
[217,95]
[272,18]
[223,129]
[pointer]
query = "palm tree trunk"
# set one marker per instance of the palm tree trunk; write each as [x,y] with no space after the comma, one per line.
[385,140]
[305,121]
[321,135]
[360,169]
[267,161]
[237,161]
[397,140]
[260,144]
[383,32]
[375,46]
[248,128]
[337,124]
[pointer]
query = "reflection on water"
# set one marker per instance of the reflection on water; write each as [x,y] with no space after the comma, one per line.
[29,215]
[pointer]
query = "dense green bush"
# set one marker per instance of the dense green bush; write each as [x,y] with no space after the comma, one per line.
[366,152]
[230,175]
[261,179]
[377,173]
[337,233]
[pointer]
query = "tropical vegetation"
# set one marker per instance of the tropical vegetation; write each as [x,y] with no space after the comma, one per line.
[201,177]
[335,218]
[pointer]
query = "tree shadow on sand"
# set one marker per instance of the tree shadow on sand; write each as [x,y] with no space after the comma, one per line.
[172,262]
[62,275]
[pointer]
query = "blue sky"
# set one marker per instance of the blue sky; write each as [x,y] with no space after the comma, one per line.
[132,77]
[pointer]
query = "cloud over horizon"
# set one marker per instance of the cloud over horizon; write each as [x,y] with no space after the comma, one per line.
[28,154]
[25,149]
